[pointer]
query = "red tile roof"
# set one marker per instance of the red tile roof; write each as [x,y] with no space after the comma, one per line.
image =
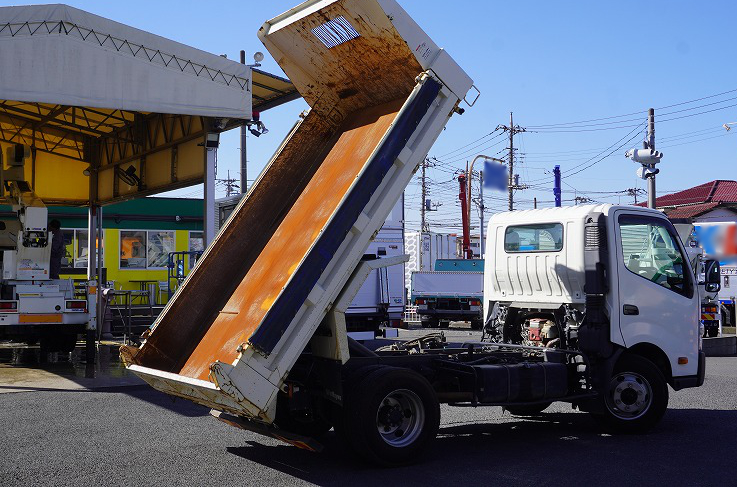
[690,211]
[717,191]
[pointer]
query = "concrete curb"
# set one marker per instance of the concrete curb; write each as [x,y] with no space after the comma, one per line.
[720,346]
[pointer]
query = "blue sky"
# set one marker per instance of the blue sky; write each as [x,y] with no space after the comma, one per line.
[548,62]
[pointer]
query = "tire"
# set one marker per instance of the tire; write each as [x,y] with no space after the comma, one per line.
[67,342]
[636,397]
[444,324]
[531,410]
[58,342]
[390,417]
[431,323]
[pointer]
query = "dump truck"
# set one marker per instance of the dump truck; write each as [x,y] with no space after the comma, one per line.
[612,286]
[257,331]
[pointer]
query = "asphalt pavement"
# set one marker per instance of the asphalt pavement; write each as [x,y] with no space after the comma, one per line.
[70,432]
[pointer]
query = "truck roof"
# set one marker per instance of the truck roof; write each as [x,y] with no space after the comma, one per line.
[562,213]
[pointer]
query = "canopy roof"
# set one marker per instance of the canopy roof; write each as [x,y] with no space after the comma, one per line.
[88,93]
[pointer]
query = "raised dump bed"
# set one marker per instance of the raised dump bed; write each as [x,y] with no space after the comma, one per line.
[380,93]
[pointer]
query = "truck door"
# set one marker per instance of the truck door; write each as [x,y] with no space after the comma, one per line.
[658,302]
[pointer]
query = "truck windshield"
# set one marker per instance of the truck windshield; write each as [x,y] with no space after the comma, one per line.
[650,250]
[541,237]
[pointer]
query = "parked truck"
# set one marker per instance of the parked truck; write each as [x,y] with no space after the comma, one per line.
[257,330]
[699,250]
[452,292]
[610,284]
[380,300]
[33,306]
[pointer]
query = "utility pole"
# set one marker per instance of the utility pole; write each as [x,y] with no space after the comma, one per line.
[651,144]
[556,185]
[230,184]
[512,129]
[423,203]
[465,214]
[244,154]
[648,157]
[634,192]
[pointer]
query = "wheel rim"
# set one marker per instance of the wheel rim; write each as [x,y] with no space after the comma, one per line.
[630,395]
[400,418]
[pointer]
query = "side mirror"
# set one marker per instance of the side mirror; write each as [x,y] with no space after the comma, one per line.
[712,276]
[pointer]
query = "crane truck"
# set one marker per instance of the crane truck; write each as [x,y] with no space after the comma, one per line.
[34,307]
[257,331]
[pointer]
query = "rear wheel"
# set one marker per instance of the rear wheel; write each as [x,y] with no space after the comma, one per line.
[58,342]
[431,323]
[390,416]
[636,397]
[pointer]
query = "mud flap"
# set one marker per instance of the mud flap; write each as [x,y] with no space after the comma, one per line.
[303,442]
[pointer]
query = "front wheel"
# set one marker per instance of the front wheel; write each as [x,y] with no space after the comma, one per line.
[636,397]
[391,416]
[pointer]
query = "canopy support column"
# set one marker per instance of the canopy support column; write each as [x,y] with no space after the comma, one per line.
[209,199]
[93,284]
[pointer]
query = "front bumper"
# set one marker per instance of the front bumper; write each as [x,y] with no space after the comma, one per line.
[692,380]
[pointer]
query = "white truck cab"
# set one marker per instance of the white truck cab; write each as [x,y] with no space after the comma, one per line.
[611,281]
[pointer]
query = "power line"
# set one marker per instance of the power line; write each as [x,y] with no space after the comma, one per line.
[533,127]
[599,160]
[464,146]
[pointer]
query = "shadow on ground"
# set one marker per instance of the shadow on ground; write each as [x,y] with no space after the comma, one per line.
[550,449]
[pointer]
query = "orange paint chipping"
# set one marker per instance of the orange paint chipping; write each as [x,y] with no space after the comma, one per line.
[297,232]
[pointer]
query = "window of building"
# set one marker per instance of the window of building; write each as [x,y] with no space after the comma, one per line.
[145,249]
[196,241]
[76,248]
[650,250]
[540,237]
[159,246]
[196,244]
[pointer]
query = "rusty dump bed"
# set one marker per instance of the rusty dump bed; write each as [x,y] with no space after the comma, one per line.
[242,274]
[235,327]
[239,280]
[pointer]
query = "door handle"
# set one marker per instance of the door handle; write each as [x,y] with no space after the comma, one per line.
[630,309]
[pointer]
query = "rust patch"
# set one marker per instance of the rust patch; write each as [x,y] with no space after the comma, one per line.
[288,245]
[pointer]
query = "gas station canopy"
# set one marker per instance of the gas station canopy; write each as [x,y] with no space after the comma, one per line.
[111,112]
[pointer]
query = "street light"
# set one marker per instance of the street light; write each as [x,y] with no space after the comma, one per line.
[727,125]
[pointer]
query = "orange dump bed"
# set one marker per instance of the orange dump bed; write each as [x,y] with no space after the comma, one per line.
[299,229]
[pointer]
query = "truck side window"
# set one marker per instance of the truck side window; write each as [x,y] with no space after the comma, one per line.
[540,237]
[651,251]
